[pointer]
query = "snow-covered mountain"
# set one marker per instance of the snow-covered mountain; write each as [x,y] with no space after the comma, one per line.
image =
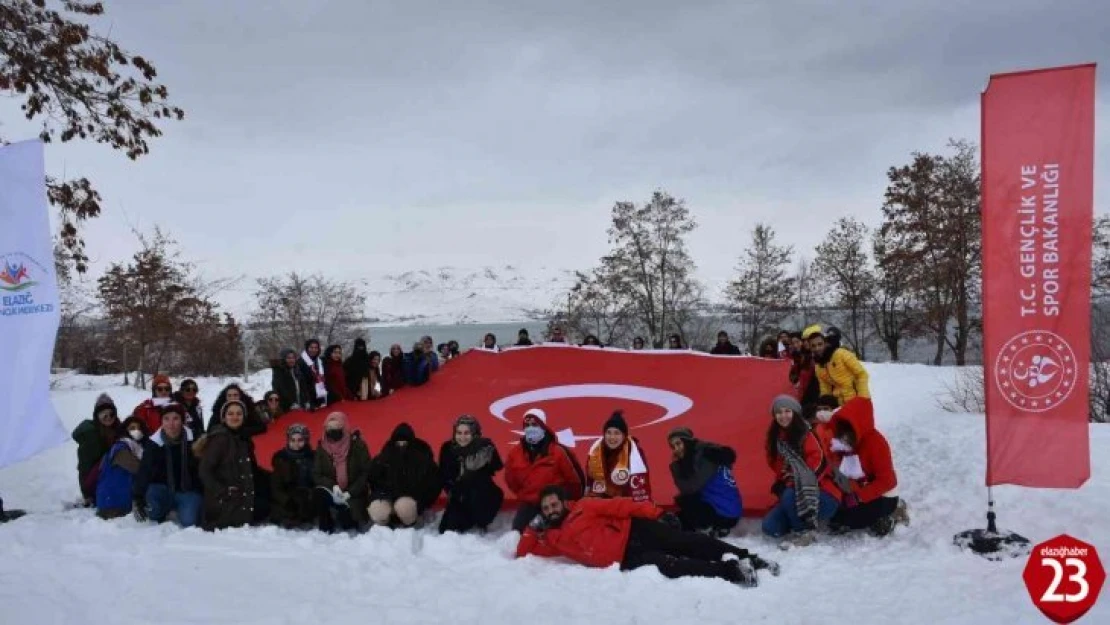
[452,295]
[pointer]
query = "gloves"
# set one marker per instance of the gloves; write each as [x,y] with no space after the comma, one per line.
[778,487]
[339,497]
[670,520]
[138,510]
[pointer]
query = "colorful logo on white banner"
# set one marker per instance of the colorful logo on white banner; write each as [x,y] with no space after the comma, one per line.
[1035,371]
[17,284]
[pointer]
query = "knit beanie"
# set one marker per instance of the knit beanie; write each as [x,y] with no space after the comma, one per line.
[786,401]
[684,433]
[103,401]
[160,380]
[616,421]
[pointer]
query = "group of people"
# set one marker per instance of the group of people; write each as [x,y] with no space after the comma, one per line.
[833,467]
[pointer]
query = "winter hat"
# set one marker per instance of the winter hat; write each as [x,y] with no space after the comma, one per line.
[616,421]
[470,422]
[297,428]
[172,407]
[403,432]
[104,401]
[684,433]
[786,401]
[812,331]
[537,414]
[160,379]
[223,411]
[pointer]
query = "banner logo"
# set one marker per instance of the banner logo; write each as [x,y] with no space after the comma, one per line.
[17,286]
[15,276]
[1035,371]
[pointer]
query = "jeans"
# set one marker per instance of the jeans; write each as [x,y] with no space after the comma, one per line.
[783,518]
[159,503]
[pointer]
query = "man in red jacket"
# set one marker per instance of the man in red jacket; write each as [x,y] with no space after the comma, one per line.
[602,532]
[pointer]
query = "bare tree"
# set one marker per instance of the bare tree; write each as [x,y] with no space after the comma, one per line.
[81,85]
[892,307]
[595,306]
[1100,323]
[808,290]
[293,308]
[843,261]
[763,292]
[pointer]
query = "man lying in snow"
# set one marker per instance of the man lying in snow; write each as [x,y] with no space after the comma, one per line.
[602,532]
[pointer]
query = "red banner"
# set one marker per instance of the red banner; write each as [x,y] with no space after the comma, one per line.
[723,399]
[1038,196]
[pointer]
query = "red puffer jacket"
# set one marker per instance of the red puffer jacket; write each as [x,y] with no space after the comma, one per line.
[151,415]
[594,532]
[526,476]
[818,458]
[872,449]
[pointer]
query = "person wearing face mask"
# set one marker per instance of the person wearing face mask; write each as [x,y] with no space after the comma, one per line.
[341,474]
[538,461]
[150,410]
[291,486]
[708,499]
[806,489]
[94,437]
[602,532]
[404,479]
[467,464]
[616,465]
[864,460]
[227,471]
[117,471]
[838,371]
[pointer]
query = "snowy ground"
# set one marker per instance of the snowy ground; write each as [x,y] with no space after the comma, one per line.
[66,566]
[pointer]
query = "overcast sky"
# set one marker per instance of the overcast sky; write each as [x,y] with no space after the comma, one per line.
[365,137]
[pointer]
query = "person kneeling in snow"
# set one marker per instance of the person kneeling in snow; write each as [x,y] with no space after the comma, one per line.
[871,486]
[708,499]
[342,476]
[602,532]
[291,485]
[117,470]
[227,470]
[538,461]
[616,466]
[404,478]
[94,438]
[169,473]
[467,464]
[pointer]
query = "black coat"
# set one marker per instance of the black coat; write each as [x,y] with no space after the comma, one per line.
[699,465]
[307,379]
[473,498]
[291,485]
[285,383]
[173,466]
[408,471]
[227,470]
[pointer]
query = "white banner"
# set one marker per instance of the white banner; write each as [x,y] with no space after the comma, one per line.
[29,308]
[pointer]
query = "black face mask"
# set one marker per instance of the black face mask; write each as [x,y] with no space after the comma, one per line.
[334,435]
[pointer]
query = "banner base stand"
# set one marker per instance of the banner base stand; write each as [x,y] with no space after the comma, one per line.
[992,544]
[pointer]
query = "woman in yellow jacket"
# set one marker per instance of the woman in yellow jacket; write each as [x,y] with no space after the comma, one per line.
[839,372]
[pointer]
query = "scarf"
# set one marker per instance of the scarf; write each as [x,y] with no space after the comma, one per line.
[338,452]
[317,368]
[806,490]
[475,456]
[613,480]
[183,481]
[135,448]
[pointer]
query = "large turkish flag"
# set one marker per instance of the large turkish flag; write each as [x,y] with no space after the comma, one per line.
[1038,201]
[723,399]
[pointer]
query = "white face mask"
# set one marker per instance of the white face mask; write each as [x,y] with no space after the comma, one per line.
[824,416]
[136,434]
[161,401]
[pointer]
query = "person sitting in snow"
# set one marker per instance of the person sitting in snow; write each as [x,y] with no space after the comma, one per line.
[804,480]
[227,470]
[708,499]
[538,461]
[310,377]
[616,466]
[292,488]
[871,499]
[190,401]
[117,471]
[838,371]
[404,479]
[253,425]
[149,411]
[94,437]
[467,464]
[169,478]
[342,476]
[602,532]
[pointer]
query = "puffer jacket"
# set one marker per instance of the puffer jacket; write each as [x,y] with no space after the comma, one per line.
[843,376]
[594,531]
[530,468]
[227,471]
[872,450]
